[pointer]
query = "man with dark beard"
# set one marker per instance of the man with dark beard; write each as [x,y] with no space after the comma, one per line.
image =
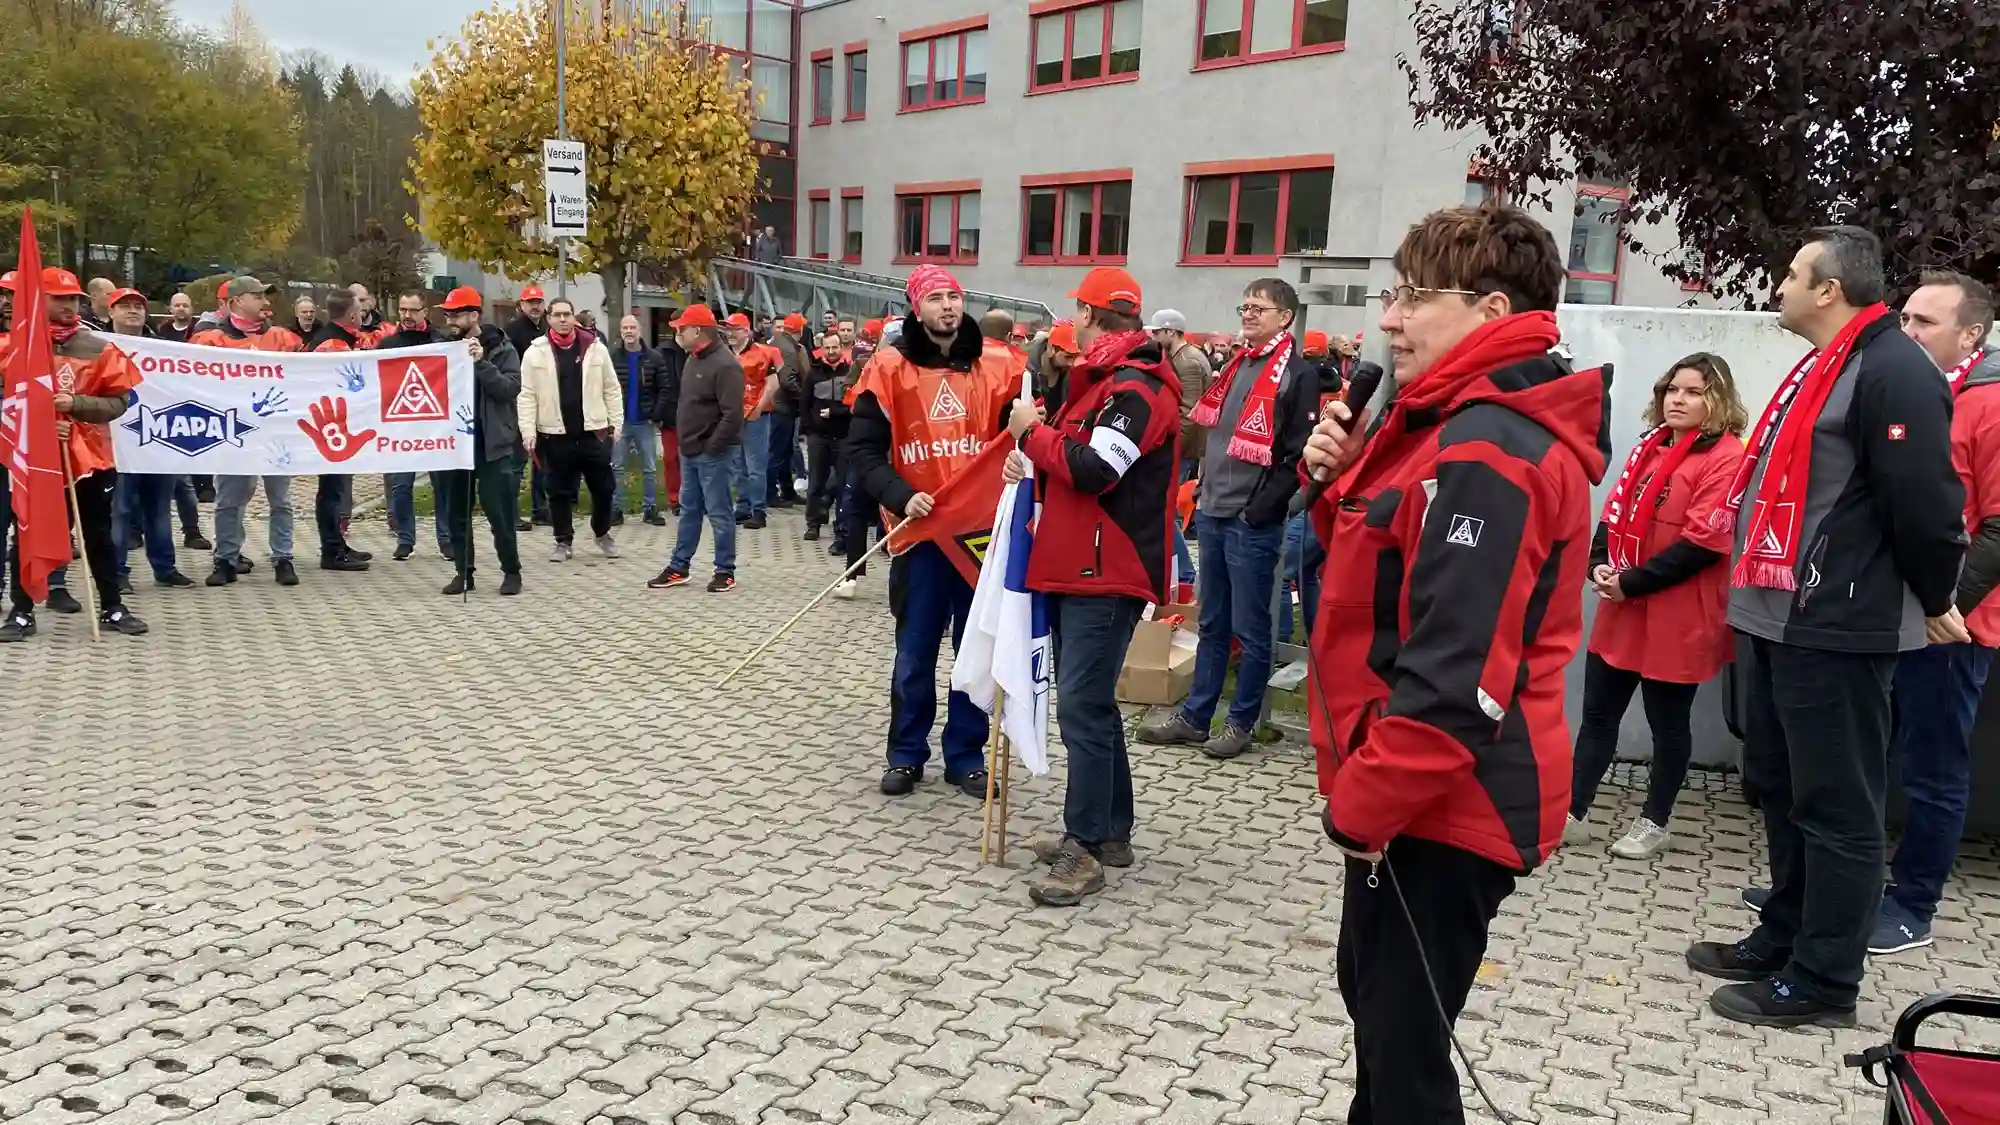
[496,446]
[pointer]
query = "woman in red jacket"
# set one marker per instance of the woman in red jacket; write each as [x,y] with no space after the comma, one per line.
[1656,565]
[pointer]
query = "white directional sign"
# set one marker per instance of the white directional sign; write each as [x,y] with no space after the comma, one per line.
[563,184]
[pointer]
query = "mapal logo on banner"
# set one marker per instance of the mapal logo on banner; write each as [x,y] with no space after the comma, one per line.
[248,413]
[188,428]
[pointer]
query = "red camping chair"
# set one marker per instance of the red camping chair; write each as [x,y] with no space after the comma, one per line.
[1931,1086]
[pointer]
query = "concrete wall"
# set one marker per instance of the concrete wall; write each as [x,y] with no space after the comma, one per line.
[1354,104]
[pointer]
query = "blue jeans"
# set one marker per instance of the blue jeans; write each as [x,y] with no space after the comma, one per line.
[1937,699]
[639,440]
[929,596]
[1091,636]
[705,485]
[401,489]
[184,500]
[1184,562]
[780,481]
[1239,565]
[1305,558]
[752,457]
[143,504]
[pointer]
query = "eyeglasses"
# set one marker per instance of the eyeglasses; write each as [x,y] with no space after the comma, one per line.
[1256,310]
[1410,296]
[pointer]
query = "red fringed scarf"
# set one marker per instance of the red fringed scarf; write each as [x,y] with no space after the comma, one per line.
[1784,435]
[1956,376]
[1627,518]
[1257,426]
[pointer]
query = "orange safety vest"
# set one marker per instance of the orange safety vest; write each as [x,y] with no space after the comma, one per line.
[759,361]
[269,340]
[94,366]
[939,419]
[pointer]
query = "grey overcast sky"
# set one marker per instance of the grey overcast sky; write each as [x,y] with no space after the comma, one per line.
[386,36]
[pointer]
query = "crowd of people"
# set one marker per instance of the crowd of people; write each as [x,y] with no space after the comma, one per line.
[1442,546]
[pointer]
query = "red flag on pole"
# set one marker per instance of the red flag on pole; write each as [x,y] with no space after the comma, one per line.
[28,443]
[961,519]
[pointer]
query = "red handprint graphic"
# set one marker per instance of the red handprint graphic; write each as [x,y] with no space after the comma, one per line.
[328,430]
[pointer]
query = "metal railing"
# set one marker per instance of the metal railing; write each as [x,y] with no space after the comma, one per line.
[815,287]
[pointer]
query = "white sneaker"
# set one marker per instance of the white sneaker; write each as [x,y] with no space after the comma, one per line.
[1576,833]
[606,544]
[846,590]
[561,553]
[1644,841]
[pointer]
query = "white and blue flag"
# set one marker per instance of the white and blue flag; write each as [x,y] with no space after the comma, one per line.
[1006,643]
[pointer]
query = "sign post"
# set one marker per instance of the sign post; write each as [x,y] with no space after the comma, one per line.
[566,191]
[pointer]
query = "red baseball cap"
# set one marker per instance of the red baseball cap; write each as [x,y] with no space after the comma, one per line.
[1063,338]
[695,316]
[7,281]
[738,320]
[1107,287]
[60,283]
[871,330]
[462,298]
[795,323]
[533,293]
[222,292]
[118,295]
[1316,342]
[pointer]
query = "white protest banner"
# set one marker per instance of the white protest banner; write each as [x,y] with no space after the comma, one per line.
[236,412]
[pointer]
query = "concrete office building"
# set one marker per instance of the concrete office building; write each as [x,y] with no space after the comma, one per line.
[1198,143]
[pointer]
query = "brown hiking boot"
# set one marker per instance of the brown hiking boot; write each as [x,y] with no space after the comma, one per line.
[1047,848]
[1174,730]
[1073,876]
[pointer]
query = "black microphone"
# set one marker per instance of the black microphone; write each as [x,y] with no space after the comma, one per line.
[1361,387]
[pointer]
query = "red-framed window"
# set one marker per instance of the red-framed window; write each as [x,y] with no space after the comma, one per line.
[857,82]
[822,87]
[1248,212]
[1083,43]
[850,225]
[1234,32]
[1596,245]
[1076,218]
[944,65]
[938,223]
[819,222]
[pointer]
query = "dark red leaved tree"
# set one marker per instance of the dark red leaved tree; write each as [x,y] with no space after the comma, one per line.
[1745,122]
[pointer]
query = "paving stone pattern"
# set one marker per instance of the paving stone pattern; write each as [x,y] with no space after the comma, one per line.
[358,852]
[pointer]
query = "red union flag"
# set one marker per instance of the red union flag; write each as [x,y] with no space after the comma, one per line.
[961,519]
[28,442]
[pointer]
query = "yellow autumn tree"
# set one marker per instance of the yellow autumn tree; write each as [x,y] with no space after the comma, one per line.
[672,166]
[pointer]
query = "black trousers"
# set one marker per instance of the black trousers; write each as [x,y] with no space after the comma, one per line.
[499,489]
[92,519]
[1403,1072]
[1090,636]
[1816,759]
[586,456]
[823,477]
[1607,692]
[330,505]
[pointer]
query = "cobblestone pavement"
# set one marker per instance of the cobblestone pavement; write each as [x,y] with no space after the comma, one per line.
[357,852]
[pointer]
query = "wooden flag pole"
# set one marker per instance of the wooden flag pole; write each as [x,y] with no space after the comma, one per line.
[1006,790]
[822,596]
[89,591]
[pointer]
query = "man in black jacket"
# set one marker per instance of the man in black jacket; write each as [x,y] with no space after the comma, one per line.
[531,321]
[710,421]
[824,417]
[413,329]
[641,371]
[666,416]
[1258,415]
[496,446]
[1849,531]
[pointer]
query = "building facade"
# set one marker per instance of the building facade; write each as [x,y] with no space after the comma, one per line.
[1197,143]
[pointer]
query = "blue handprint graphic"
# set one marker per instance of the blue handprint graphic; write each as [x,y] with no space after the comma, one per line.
[282,459]
[464,414]
[351,373]
[268,403]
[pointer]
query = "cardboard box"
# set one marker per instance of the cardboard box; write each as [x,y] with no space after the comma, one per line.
[1159,665]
